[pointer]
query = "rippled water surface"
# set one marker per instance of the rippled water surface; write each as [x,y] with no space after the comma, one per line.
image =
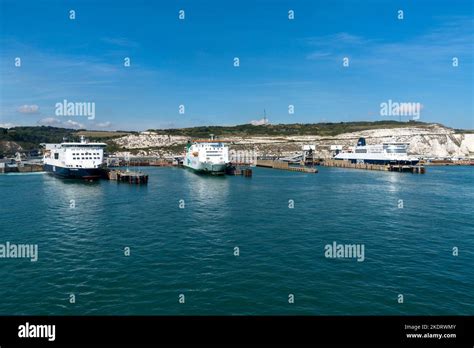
[190,251]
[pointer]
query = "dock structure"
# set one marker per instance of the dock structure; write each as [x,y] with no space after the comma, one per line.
[418,169]
[142,161]
[127,176]
[30,168]
[21,168]
[236,170]
[308,156]
[247,172]
[284,166]
[441,162]
[415,169]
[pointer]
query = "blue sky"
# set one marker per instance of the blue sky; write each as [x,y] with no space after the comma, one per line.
[190,62]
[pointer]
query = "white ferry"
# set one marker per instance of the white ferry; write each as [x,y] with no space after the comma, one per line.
[206,156]
[81,160]
[386,153]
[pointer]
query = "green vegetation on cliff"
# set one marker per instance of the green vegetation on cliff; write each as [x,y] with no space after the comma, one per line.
[322,129]
[29,138]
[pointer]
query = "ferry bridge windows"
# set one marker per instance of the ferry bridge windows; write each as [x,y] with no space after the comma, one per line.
[56,156]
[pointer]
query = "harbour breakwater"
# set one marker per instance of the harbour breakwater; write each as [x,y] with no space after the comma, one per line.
[285,166]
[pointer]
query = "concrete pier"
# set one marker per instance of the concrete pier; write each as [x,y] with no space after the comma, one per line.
[284,166]
[21,168]
[127,176]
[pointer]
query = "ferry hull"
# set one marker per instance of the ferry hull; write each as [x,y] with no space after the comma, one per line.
[394,153]
[208,157]
[74,173]
[380,161]
[208,168]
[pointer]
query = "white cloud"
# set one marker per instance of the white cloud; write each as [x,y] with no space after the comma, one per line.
[7,125]
[331,45]
[336,40]
[426,50]
[29,109]
[318,55]
[119,41]
[259,122]
[106,124]
[73,124]
[49,121]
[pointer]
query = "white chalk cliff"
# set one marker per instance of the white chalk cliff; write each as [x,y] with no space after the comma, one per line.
[432,140]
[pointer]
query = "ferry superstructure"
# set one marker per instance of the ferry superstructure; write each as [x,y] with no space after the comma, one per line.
[385,153]
[81,160]
[206,156]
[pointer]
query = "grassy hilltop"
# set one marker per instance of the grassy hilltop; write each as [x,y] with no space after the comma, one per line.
[322,129]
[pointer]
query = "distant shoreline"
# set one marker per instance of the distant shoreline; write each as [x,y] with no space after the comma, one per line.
[427,139]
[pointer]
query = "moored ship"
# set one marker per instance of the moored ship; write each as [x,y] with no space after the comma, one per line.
[207,156]
[386,153]
[79,160]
